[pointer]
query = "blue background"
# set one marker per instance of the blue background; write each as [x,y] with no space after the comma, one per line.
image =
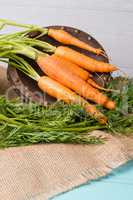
[116,186]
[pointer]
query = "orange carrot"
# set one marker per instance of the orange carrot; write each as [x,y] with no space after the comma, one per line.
[75,68]
[95,85]
[54,68]
[84,61]
[55,89]
[66,38]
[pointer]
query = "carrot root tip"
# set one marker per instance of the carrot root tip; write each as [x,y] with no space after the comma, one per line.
[110,105]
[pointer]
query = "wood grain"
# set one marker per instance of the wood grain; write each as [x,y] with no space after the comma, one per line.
[110,22]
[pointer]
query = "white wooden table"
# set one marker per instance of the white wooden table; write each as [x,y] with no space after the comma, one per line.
[110,22]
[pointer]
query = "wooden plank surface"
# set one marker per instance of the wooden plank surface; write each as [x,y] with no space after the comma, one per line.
[110,22]
[116,5]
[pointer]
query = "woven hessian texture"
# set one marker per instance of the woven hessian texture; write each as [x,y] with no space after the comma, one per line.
[40,171]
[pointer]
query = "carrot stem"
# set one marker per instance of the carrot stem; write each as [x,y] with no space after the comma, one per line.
[5,22]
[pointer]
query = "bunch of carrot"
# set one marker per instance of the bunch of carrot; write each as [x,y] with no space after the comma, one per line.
[68,72]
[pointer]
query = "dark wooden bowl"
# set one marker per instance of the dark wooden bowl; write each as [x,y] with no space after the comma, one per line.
[28,89]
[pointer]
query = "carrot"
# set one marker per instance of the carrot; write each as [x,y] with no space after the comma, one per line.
[82,74]
[95,85]
[75,68]
[58,34]
[55,89]
[66,38]
[84,61]
[54,68]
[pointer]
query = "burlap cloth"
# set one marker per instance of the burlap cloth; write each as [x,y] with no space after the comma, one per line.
[39,172]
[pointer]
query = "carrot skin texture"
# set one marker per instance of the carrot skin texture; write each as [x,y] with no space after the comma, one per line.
[75,68]
[55,89]
[84,61]
[66,38]
[53,67]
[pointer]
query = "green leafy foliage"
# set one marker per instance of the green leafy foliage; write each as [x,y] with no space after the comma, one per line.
[24,124]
